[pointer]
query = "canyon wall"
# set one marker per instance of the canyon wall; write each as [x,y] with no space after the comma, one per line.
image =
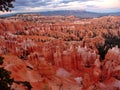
[62,52]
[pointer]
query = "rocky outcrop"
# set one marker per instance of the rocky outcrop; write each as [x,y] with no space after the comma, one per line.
[111,63]
[60,52]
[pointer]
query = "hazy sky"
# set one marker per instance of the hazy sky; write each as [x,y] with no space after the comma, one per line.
[88,5]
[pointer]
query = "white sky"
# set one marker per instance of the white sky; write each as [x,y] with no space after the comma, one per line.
[89,5]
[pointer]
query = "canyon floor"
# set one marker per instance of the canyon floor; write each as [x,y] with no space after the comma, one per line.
[61,52]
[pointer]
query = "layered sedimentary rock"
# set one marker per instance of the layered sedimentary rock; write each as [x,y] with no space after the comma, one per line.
[61,52]
[111,63]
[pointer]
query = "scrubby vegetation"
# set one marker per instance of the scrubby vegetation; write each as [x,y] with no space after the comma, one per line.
[25,83]
[5,80]
[109,43]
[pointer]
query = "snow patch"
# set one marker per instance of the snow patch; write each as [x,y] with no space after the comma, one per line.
[116,50]
[62,72]
[78,80]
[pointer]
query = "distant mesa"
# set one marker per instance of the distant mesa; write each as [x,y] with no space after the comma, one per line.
[77,13]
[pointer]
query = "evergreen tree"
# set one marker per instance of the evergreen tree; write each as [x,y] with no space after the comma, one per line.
[5,80]
[5,5]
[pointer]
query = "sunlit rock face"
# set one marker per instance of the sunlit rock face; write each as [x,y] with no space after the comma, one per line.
[61,52]
[74,58]
[111,63]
